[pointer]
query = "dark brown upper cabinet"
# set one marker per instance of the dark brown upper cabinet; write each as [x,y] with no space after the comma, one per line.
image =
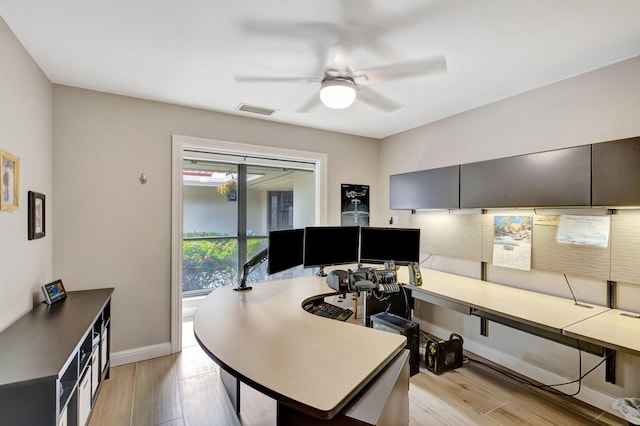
[425,189]
[616,173]
[559,178]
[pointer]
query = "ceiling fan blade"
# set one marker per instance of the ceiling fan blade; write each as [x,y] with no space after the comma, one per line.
[275,79]
[310,104]
[289,29]
[404,69]
[377,99]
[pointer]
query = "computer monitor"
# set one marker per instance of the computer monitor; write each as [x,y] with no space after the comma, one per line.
[379,245]
[285,250]
[330,245]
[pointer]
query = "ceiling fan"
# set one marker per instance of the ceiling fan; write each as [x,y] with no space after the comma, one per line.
[340,85]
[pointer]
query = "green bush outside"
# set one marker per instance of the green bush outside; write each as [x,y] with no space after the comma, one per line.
[208,264]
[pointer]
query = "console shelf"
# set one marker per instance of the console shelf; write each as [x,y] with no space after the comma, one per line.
[57,357]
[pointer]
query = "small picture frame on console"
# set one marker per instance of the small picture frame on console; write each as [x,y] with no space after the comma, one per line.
[36,226]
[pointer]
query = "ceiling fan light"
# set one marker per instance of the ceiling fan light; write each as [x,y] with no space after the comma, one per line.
[338,93]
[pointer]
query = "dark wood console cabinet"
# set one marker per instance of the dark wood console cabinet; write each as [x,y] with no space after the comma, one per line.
[54,360]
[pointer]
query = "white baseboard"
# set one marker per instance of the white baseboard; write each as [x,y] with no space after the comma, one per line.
[140,354]
[590,396]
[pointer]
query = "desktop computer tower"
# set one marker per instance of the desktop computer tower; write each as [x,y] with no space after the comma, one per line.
[400,304]
[411,330]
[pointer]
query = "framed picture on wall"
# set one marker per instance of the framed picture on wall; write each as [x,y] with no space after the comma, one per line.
[9,181]
[355,205]
[36,215]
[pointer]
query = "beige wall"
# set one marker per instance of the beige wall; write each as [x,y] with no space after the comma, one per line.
[598,106]
[25,131]
[116,232]
[595,107]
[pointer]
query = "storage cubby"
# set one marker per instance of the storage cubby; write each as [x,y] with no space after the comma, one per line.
[58,357]
[106,313]
[68,380]
[84,353]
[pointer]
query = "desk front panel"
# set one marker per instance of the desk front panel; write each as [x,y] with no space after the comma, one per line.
[266,338]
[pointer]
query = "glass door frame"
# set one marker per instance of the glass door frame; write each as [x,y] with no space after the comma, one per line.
[181,143]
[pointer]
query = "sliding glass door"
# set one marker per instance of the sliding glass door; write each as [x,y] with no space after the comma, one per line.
[230,203]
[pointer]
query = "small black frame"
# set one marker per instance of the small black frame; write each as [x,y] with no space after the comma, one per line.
[37,220]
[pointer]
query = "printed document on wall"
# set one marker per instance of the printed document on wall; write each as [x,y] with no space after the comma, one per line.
[591,230]
[512,242]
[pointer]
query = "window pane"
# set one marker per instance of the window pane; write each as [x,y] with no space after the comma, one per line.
[208,262]
[278,199]
[210,214]
[208,198]
[254,245]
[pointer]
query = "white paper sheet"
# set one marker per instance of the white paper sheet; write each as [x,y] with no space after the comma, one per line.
[591,230]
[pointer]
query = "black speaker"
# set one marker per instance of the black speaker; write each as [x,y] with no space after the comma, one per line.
[415,277]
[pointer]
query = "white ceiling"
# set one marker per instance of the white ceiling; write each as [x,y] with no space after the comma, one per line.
[187,52]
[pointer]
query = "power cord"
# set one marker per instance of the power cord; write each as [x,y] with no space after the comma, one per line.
[546,388]
[425,259]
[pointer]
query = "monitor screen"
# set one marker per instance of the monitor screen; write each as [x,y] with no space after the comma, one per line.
[377,245]
[330,245]
[285,250]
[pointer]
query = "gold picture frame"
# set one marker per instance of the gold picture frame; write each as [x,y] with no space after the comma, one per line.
[9,181]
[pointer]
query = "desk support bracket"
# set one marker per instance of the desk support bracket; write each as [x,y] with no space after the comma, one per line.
[546,334]
[611,294]
[484,323]
[610,362]
[610,365]
[484,327]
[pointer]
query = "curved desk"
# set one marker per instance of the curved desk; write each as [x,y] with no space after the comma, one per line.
[314,365]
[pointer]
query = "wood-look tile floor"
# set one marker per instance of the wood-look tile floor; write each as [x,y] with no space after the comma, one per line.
[185,389]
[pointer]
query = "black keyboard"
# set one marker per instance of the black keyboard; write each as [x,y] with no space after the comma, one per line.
[328,310]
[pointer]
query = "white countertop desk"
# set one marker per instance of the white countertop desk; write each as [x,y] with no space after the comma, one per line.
[264,338]
[539,310]
[614,329]
[594,329]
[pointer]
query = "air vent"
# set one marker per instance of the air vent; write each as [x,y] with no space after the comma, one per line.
[256,109]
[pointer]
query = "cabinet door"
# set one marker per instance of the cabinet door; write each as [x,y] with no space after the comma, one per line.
[560,178]
[95,371]
[104,356]
[616,173]
[425,189]
[84,398]
[62,420]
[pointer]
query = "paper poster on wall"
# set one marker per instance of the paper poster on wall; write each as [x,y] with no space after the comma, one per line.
[355,205]
[590,230]
[512,242]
